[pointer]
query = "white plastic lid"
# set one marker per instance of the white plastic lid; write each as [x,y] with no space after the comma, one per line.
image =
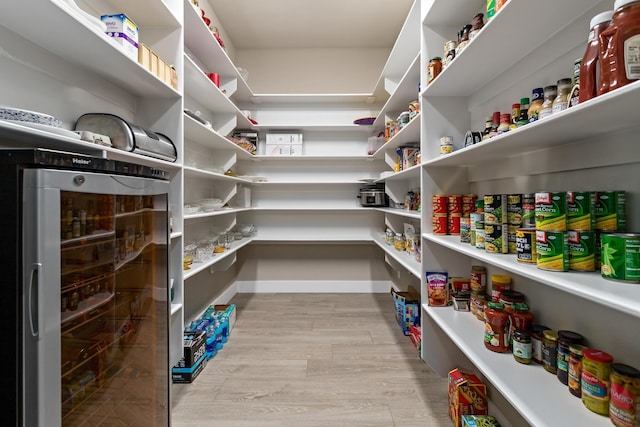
[602,17]
[621,3]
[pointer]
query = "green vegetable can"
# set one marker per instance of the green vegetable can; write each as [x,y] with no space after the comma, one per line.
[551,211]
[620,256]
[580,210]
[611,210]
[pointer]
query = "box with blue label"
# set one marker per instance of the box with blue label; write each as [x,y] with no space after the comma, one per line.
[185,375]
[124,31]
[194,344]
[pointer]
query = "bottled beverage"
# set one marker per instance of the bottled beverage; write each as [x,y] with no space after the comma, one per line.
[619,45]
[550,93]
[523,118]
[537,98]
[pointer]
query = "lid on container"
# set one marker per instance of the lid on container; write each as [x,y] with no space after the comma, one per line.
[539,329]
[550,334]
[597,355]
[565,82]
[500,278]
[622,3]
[480,202]
[524,101]
[511,296]
[495,305]
[537,93]
[572,337]
[625,370]
[602,17]
[551,88]
[435,58]
[520,306]
[576,349]
[521,334]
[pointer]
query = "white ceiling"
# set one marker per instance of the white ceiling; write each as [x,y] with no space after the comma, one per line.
[282,24]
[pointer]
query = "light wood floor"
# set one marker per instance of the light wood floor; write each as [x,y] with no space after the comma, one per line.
[314,360]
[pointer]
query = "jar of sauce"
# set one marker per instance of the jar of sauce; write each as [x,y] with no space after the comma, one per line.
[565,340]
[522,347]
[590,65]
[561,101]
[618,45]
[536,342]
[434,68]
[505,121]
[477,304]
[509,297]
[520,318]
[550,93]
[549,351]
[596,370]
[575,369]
[537,98]
[495,331]
[499,283]
[478,278]
[624,407]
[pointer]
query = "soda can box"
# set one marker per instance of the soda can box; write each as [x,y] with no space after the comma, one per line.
[181,374]
[194,345]
[124,31]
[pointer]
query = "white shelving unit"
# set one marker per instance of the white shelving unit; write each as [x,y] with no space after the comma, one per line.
[569,151]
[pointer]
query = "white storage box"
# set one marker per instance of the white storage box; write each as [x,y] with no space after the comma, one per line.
[284,138]
[124,31]
[283,150]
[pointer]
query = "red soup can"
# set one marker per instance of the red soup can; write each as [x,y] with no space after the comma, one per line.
[439,223]
[455,204]
[439,203]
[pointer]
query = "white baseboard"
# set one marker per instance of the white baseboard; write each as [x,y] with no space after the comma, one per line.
[226,296]
[311,286]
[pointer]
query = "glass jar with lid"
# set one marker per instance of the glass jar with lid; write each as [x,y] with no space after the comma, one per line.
[561,101]
[495,331]
[565,340]
[546,109]
[550,351]
[434,68]
[522,347]
[398,242]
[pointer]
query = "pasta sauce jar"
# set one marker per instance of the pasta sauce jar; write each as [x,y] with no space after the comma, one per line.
[624,406]
[565,340]
[496,324]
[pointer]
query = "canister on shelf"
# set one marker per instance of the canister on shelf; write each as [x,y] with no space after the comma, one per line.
[526,245]
[439,203]
[620,256]
[414,108]
[496,239]
[434,68]
[495,331]
[522,347]
[478,278]
[495,208]
[551,211]
[575,369]
[477,304]
[565,340]
[561,101]
[550,351]
[595,380]
[552,250]
[449,53]
[499,283]
[582,248]
[537,336]
[580,210]
[610,210]
[509,297]
[624,406]
[529,210]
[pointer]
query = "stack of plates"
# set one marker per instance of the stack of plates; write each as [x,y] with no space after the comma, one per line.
[35,120]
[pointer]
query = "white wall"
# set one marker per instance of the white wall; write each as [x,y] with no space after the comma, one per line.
[312,71]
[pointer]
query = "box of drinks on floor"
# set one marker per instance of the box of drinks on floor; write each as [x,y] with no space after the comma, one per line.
[202,339]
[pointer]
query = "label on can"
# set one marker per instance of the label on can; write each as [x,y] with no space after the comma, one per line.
[526,245]
[552,250]
[469,203]
[480,238]
[454,205]
[551,211]
[580,210]
[514,209]
[439,203]
[453,224]
[465,229]
[439,223]
[610,210]
[495,209]
[529,210]
[495,239]
[582,247]
[477,221]
[620,257]
[511,238]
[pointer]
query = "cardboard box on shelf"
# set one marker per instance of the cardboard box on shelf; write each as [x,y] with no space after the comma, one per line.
[284,138]
[467,396]
[183,374]
[124,31]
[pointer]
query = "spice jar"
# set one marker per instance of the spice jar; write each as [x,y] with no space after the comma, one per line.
[561,101]
[505,121]
[388,237]
[565,339]
[549,351]
[575,369]
[550,93]
[398,242]
[434,68]
[499,283]
[495,331]
[596,370]
[522,346]
[464,39]
[624,407]
[536,342]
[449,53]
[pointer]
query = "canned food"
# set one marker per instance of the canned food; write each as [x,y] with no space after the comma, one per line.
[480,238]
[465,229]
[499,283]
[514,209]
[414,108]
[439,223]
[439,203]
[529,210]
[596,370]
[495,239]
[551,211]
[580,210]
[453,224]
[476,220]
[446,148]
[478,278]
[610,210]
[469,203]
[526,245]
[624,406]
[620,257]
[582,247]
[477,304]
[454,205]
[552,250]
[495,207]
[511,238]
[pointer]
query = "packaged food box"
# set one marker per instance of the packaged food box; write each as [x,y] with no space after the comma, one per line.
[183,374]
[407,308]
[194,345]
[479,421]
[124,31]
[456,284]
[284,138]
[467,396]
